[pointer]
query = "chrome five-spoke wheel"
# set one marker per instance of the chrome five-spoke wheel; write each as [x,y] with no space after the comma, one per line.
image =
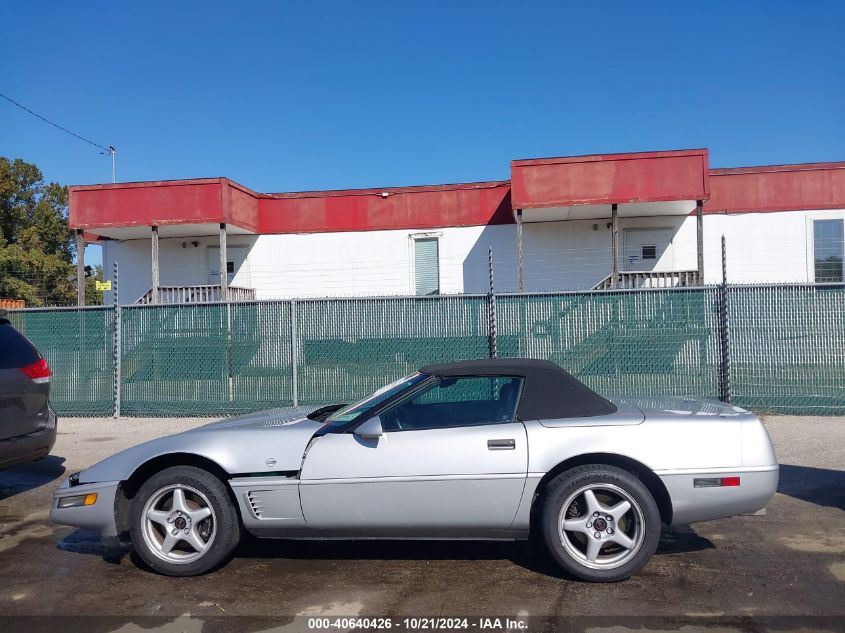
[600,522]
[179,524]
[602,526]
[183,521]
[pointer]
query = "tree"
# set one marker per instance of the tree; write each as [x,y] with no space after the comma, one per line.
[36,244]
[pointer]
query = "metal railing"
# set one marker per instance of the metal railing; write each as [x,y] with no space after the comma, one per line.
[629,280]
[208,293]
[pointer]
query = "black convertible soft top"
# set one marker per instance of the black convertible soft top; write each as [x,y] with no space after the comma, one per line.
[549,392]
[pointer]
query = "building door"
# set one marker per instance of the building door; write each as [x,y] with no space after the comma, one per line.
[237,269]
[644,248]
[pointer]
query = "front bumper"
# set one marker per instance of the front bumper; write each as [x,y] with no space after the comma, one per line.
[99,516]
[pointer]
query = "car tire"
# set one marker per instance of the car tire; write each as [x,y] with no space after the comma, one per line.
[599,523]
[183,522]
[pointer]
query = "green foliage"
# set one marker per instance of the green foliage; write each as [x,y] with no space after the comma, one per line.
[36,244]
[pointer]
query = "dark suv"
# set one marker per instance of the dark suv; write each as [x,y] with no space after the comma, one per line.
[27,423]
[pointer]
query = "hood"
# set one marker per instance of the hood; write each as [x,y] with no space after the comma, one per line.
[262,419]
[255,444]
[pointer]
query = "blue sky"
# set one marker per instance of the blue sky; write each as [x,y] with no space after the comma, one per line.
[286,96]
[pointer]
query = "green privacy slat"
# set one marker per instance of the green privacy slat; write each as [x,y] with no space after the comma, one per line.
[77,345]
[349,348]
[787,347]
[628,343]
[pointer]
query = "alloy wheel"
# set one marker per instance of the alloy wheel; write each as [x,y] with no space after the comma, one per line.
[179,524]
[601,526]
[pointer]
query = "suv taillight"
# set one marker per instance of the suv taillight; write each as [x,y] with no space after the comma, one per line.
[38,372]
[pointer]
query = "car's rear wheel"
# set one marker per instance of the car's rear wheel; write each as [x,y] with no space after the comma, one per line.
[183,522]
[600,523]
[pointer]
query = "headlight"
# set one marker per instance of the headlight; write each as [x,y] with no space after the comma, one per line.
[78,500]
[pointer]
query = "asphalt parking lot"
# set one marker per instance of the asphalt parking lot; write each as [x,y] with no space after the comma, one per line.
[790,562]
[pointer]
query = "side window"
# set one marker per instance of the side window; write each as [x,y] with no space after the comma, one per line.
[451,402]
[828,250]
[17,351]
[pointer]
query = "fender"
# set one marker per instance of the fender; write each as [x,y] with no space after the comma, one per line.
[252,447]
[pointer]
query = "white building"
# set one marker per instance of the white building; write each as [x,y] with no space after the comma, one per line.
[609,221]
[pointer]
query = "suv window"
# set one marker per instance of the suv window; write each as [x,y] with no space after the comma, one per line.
[452,402]
[15,350]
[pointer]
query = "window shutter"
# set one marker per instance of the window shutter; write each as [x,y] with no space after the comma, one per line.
[426,266]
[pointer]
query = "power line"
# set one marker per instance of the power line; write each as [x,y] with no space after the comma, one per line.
[63,129]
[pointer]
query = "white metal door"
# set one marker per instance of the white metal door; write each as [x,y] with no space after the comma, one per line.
[647,249]
[237,267]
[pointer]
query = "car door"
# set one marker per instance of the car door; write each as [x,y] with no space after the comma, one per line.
[452,461]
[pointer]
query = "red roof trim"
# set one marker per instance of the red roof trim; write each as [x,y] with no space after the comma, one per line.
[762,169]
[588,158]
[377,191]
[773,188]
[152,183]
[601,179]
[754,189]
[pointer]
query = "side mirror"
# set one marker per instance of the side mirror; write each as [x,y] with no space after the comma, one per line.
[370,430]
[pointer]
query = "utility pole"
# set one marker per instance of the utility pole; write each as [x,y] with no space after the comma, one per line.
[112,151]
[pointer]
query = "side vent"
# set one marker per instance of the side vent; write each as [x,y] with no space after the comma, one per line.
[276,504]
[256,503]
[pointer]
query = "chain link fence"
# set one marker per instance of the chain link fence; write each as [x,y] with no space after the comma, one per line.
[787,348]
[770,348]
[77,344]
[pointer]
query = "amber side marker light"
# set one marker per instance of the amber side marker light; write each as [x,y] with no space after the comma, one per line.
[715,482]
[77,501]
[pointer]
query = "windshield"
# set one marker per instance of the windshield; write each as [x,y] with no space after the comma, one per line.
[352,411]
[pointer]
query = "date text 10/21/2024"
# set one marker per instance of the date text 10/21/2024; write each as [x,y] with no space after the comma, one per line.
[419,624]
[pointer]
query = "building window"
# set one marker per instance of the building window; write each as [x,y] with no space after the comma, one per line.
[426,266]
[828,249]
[649,251]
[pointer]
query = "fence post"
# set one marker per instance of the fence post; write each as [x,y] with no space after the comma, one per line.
[116,344]
[492,325]
[230,385]
[294,356]
[724,334]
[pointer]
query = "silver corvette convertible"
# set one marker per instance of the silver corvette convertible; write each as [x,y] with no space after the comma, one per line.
[488,449]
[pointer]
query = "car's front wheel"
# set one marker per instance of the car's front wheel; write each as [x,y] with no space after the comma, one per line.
[600,523]
[183,523]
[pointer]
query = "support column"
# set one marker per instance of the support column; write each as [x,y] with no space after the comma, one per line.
[154,268]
[80,268]
[699,224]
[224,275]
[614,245]
[519,266]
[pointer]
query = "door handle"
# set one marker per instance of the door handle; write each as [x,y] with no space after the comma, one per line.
[501,445]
